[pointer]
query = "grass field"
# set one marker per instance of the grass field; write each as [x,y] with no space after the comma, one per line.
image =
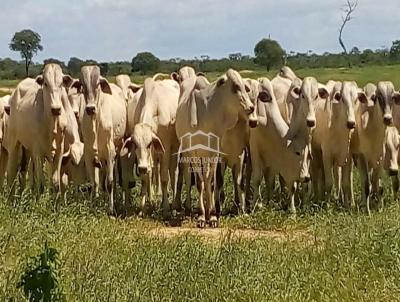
[324,254]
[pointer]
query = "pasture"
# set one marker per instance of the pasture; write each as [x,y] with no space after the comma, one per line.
[324,253]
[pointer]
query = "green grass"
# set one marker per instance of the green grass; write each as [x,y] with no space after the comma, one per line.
[331,255]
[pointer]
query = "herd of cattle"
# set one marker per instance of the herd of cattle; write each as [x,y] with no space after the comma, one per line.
[88,130]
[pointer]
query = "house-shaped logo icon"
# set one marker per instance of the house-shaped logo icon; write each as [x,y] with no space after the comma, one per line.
[199,140]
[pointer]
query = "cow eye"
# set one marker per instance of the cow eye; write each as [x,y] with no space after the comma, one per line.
[235,88]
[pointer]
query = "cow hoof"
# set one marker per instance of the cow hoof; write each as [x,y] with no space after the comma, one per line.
[201,222]
[214,223]
[141,214]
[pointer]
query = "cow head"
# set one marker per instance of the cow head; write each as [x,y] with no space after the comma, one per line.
[309,92]
[142,143]
[253,86]
[91,84]
[344,97]
[234,94]
[385,96]
[53,81]
[392,144]
[183,74]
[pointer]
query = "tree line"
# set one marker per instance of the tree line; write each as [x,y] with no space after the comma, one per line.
[268,54]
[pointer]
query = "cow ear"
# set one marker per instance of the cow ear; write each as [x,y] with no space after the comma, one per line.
[396,98]
[264,97]
[7,109]
[295,92]
[135,88]
[362,97]
[77,84]
[221,81]
[323,92]
[337,96]
[127,147]
[175,77]
[67,81]
[39,79]
[105,87]
[157,144]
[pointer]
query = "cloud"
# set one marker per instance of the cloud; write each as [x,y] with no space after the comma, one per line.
[109,30]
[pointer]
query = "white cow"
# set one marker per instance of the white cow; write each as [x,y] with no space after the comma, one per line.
[37,122]
[269,149]
[209,112]
[103,126]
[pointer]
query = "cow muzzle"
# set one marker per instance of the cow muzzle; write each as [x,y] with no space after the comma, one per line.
[310,123]
[253,123]
[388,120]
[351,125]
[91,110]
[142,170]
[56,111]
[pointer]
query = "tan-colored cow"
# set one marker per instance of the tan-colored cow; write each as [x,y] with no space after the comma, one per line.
[38,122]
[103,126]
[272,151]
[153,139]
[209,112]
[331,138]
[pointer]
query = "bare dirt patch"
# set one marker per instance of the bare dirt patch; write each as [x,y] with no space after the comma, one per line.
[220,233]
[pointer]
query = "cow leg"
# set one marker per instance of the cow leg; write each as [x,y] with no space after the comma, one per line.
[293,194]
[237,173]
[12,166]
[93,178]
[164,184]
[188,182]
[177,202]
[201,220]
[347,184]
[173,165]
[39,176]
[127,181]
[269,178]
[365,183]
[211,180]
[219,187]
[317,175]
[327,163]
[247,172]
[376,186]
[337,171]
[256,181]
[56,164]
[111,153]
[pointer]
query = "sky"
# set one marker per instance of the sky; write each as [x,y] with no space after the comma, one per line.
[115,30]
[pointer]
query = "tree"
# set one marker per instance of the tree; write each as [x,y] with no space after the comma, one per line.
[348,9]
[27,42]
[268,53]
[395,50]
[355,51]
[145,62]
[74,66]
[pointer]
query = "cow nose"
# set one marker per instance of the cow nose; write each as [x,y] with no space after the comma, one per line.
[56,111]
[393,172]
[142,170]
[90,110]
[251,109]
[253,123]
[351,125]
[387,120]
[310,123]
